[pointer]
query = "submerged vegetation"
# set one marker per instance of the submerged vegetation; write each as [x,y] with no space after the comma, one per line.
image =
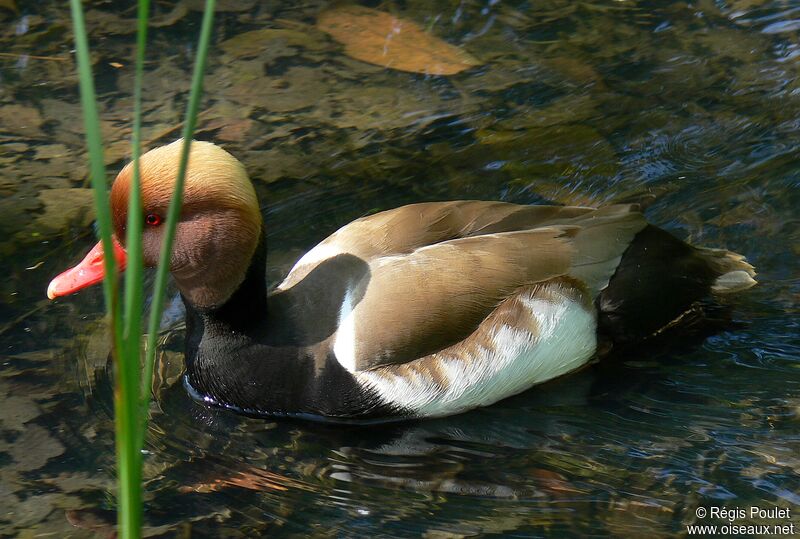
[692,105]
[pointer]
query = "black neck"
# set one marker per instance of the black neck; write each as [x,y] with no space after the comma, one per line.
[237,313]
[248,355]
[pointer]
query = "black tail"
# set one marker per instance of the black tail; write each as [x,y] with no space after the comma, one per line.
[659,279]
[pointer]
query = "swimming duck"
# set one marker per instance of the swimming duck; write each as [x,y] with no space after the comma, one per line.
[425,310]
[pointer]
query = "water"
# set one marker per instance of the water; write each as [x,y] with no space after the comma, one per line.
[691,107]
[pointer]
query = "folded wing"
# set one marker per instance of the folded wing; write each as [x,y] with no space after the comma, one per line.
[412,304]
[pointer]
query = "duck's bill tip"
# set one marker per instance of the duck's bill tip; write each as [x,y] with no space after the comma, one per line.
[90,271]
[52,290]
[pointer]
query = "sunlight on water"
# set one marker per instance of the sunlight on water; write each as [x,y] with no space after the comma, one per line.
[692,108]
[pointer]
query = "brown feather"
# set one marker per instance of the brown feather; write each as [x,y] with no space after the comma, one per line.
[402,230]
[427,300]
[220,222]
[436,270]
[511,312]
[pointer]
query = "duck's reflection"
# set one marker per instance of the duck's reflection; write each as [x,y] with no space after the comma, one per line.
[530,451]
[456,455]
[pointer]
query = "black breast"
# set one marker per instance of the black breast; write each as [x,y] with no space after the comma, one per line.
[237,359]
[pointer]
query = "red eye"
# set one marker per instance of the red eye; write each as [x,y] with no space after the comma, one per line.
[153,219]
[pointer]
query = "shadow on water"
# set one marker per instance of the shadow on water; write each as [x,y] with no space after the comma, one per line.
[693,108]
[520,452]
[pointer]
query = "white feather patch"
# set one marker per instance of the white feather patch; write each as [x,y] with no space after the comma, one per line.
[516,361]
[344,347]
[733,281]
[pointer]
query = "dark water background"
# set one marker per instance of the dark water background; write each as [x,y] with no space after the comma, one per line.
[690,106]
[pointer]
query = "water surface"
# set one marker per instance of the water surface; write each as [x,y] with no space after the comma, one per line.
[691,107]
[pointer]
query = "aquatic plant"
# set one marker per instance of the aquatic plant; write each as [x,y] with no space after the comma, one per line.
[132,382]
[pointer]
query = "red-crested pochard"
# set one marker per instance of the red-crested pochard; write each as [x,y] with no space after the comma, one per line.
[425,310]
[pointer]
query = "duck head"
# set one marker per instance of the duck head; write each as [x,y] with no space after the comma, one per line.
[216,236]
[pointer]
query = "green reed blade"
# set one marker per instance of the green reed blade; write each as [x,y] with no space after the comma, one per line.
[97,169]
[175,210]
[128,421]
[128,457]
[133,245]
[132,393]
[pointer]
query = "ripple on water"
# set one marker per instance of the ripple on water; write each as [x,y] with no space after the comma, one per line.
[692,104]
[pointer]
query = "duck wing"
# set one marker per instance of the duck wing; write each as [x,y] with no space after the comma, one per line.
[409,305]
[402,230]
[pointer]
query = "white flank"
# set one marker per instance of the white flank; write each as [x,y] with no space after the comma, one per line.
[344,347]
[517,360]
